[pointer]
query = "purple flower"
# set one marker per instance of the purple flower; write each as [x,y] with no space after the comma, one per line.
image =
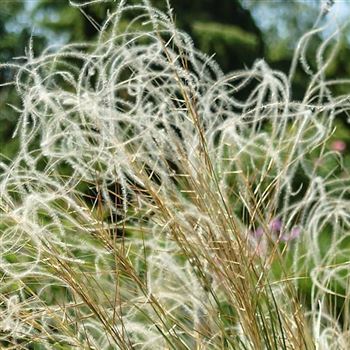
[258,232]
[276,225]
[338,146]
[294,233]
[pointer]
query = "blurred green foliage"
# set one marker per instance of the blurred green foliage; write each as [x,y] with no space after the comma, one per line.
[237,32]
[226,28]
[14,39]
[215,29]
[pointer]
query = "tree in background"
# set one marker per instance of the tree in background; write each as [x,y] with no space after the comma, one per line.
[282,23]
[237,32]
[228,30]
[14,38]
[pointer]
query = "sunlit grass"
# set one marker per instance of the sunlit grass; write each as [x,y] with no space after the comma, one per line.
[156,203]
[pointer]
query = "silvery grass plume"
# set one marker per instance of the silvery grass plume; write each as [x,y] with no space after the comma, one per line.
[153,197]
